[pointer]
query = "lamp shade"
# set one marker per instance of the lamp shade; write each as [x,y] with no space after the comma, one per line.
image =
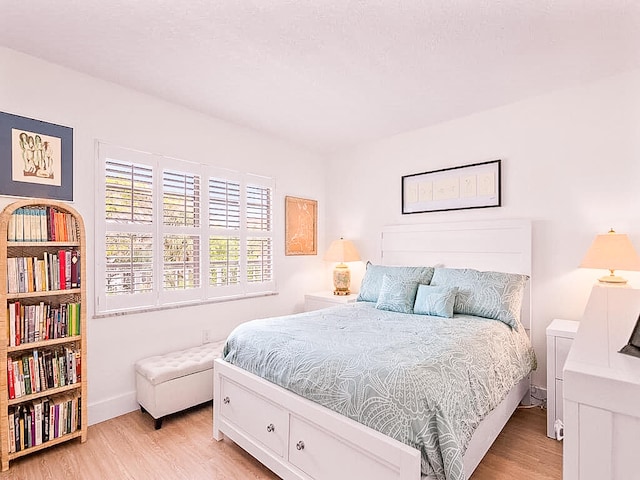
[613,251]
[342,251]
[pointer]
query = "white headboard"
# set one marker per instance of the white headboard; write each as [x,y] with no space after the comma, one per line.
[498,245]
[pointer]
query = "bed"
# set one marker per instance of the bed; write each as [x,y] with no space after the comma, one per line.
[329,435]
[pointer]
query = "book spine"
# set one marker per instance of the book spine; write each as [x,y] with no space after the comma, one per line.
[12,324]
[37,408]
[26,376]
[63,269]
[11,379]
[46,412]
[67,269]
[75,264]
[12,431]
[17,380]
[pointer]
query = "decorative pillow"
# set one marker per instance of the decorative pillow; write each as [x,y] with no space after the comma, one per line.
[494,295]
[372,281]
[397,294]
[436,301]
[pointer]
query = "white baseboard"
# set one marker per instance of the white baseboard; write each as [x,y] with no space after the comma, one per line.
[112,407]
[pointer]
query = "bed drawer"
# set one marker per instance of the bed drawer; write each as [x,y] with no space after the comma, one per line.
[324,456]
[255,415]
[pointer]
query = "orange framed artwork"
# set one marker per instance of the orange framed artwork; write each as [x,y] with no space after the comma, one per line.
[301,226]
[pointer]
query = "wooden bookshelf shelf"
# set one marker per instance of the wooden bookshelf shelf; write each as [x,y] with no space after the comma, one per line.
[43,244]
[46,293]
[44,343]
[72,396]
[47,444]
[45,393]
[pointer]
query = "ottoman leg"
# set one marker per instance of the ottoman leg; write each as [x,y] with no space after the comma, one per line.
[142,409]
[159,423]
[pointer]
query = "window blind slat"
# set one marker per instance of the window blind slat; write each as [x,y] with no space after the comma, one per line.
[181,262]
[181,199]
[129,263]
[129,192]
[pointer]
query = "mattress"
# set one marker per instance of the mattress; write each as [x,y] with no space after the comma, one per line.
[425,381]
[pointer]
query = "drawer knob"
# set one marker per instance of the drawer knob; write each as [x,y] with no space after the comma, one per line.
[300,445]
[226,400]
[270,428]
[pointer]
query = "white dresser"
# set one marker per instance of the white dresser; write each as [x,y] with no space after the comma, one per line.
[602,391]
[560,335]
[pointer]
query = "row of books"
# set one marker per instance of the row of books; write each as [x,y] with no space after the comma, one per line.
[41,370]
[41,224]
[43,420]
[42,321]
[54,271]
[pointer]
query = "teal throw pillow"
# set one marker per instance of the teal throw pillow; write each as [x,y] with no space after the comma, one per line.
[495,295]
[372,281]
[437,301]
[397,294]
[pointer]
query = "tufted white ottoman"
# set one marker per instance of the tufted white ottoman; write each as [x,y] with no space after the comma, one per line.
[169,383]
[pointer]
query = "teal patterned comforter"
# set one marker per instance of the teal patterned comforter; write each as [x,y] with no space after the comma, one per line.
[425,381]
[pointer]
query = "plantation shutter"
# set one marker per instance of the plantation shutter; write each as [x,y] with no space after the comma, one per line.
[172,231]
[259,242]
[224,233]
[128,211]
[181,234]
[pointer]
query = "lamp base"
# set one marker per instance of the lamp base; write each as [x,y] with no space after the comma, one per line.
[341,279]
[612,279]
[342,292]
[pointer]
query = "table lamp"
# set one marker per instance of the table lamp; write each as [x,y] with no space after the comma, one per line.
[612,251]
[341,251]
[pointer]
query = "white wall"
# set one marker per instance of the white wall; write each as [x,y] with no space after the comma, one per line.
[571,163]
[101,110]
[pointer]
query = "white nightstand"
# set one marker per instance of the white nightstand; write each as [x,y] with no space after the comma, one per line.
[560,335]
[318,300]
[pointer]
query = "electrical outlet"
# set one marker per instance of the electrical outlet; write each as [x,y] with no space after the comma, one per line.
[538,392]
[206,336]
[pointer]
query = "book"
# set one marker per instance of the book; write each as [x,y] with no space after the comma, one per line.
[75,269]
[35,377]
[41,370]
[46,412]
[10,378]
[20,444]
[12,324]
[67,269]
[62,270]
[37,410]
[26,224]
[48,366]
[30,424]
[26,376]
[17,379]
[19,225]
[43,224]
[32,375]
[12,431]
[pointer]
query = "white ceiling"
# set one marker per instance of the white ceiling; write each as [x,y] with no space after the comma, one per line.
[329,74]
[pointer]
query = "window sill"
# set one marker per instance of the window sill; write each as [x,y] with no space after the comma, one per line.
[171,306]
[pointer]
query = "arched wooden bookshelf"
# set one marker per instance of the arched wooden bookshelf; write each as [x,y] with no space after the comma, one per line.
[49,405]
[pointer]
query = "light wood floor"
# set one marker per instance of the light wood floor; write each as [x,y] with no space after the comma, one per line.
[128,447]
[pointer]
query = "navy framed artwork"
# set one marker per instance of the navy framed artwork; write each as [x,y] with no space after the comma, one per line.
[36,158]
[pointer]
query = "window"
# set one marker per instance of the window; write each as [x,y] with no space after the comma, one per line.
[175,231]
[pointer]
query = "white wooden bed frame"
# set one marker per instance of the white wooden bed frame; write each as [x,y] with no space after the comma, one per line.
[300,440]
